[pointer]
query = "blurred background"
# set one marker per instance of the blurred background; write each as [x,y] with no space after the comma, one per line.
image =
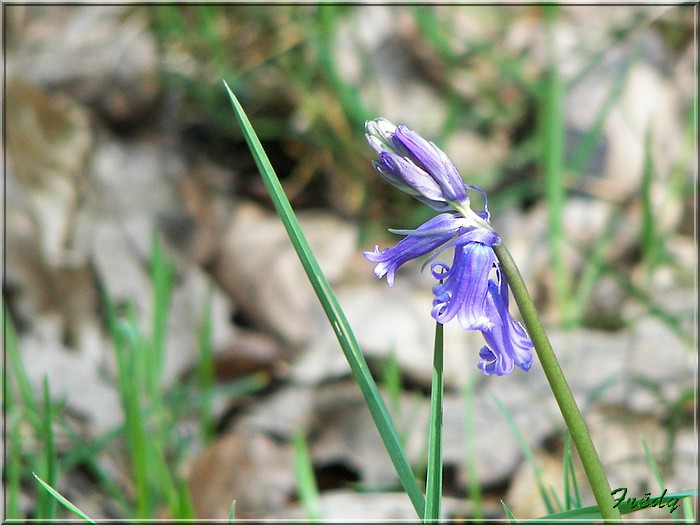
[163,345]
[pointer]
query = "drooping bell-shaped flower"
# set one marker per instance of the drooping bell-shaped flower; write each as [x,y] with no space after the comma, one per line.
[465,289]
[428,237]
[507,342]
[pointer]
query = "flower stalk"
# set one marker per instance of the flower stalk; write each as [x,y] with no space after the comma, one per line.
[560,388]
[433,481]
[465,290]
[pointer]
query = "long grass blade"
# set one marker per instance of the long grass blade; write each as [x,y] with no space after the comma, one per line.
[552,164]
[527,452]
[654,467]
[433,483]
[48,506]
[338,321]
[232,512]
[63,501]
[509,513]
[308,490]
[391,380]
[162,280]
[592,513]
[18,397]
[572,493]
[17,371]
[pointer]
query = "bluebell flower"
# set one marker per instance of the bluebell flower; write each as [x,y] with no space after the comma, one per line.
[465,289]
[507,343]
[416,166]
[428,237]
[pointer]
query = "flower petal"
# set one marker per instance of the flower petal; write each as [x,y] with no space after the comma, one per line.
[427,237]
[433,160]
[406,176]
[416,166]
[507,341]
[463,288]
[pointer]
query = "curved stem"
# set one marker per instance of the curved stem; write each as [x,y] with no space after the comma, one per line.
[560,388]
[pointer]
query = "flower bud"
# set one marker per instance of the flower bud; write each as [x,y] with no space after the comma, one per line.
[416,166]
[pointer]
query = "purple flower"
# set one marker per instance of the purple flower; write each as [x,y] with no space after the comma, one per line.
[416,166]
[427,237]
[465,289]
[507,343]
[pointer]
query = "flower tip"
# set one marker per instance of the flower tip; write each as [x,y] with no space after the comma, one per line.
[374,142]
[380,127]
[525,367]
[368,254]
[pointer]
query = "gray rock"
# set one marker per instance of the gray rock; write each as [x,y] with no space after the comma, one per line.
[343,432]
[372,55]
[103,55]
[49,141]
[230,470]
[134,179]
[343,505]
[73,377]
[620,368]
[258,266]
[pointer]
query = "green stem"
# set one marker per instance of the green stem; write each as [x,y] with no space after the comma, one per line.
[560,388]
[336,316]
[552,165]
[433,482]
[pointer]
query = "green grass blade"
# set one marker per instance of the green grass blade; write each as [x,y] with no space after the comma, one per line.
[585,147]
[348,95]
[651,243]
[128,345]
[527,452]
[232,512]
[13,417]
[63,501]
[13,467]
[589,514]
[433,483]
[391,379]
[568,473]
[593,267]
[165,484]
[552,163]
[308,491]
[689,511]
[48,505]
[339,323]
[509,513]
[572,491]
[85,455]
[16,368]
[673,322]
[652,464]
[186,507]
[162,281]
[655,470]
